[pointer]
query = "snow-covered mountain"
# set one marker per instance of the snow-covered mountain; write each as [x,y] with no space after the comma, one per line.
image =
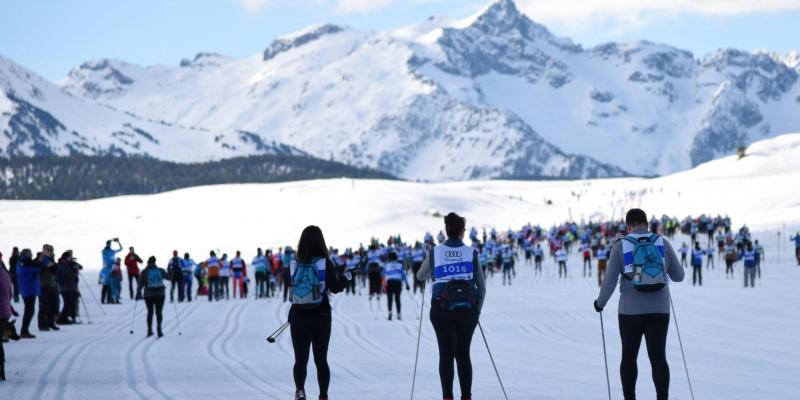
[495,95]
[39,118]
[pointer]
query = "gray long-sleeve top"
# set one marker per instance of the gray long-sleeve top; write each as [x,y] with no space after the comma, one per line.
[425,271]
[632,301]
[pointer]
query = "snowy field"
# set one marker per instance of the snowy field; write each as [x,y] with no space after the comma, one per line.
[545,336]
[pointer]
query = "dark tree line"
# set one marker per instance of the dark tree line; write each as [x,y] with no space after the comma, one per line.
[80,177]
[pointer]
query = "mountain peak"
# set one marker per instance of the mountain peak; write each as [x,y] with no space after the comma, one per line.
[300,38]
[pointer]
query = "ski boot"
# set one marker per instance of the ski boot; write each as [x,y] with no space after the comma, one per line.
[398,317]
[149,333]
[300,394]
[160,333]
[390,316]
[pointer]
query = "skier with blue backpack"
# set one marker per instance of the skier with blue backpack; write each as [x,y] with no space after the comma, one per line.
[646,262]
[153,290]
[313,277]
[456,301]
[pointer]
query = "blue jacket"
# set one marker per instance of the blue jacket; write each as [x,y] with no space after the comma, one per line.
[28,277]
[109,256]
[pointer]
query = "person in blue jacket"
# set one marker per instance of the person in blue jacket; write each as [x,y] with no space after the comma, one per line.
[188,266]
[749,255]
[29,289]
[109,256]
[796,240]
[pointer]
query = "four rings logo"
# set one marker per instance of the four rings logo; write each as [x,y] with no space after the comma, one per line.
[452,254]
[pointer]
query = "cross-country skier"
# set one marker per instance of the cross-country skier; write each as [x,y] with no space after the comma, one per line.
[395,278]
[602,261]
[749,255]
[238,273]
[561,259]
[538,256]
[374,273]
[697,264]
[260,267]
[709,252]
[587,258]
[175,276]
[759,257]
[187,265]
[641,312]
[224,277]
[731,255]
[508,262]
[313,279]
[684,252]
[132,262]
[152,289]
[213,269]
[456,300]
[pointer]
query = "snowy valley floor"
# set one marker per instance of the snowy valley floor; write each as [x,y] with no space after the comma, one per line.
[740,344]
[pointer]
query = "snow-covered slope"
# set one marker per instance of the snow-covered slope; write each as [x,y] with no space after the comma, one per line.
[40,118]
[495,95]
[546,347]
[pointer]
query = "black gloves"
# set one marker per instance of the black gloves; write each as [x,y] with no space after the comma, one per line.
[597,307]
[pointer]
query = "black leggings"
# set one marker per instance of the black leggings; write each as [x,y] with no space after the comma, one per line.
[27,315]
[154,304]
[131,278]
[654,328]
[697,274]
[316,334]
[394,289]
[454,335]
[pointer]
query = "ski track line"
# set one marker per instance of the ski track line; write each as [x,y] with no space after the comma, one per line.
[150,379]
[224,358]
[42,382]
[62,379]
[240,321]
[361,335]
[352,338]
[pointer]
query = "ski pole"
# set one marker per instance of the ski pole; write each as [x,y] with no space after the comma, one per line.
[85,309]
[674,316]
[605,357]
[177,318]
[94,296]
[493,364]
[277,333]
[419,336]
[133,320]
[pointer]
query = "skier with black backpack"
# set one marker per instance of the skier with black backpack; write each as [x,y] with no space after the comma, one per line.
[175,276]
[456,300]
[644,261]
[313,277]
[152,289]
[395,278]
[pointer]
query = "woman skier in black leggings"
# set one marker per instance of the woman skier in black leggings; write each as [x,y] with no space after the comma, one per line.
[457,298]
[313,278]
[151,280]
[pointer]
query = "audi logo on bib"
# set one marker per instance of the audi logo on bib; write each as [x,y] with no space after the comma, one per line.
[454,254]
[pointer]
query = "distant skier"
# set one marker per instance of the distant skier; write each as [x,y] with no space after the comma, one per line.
[313,279]
[187,269]
[260,266]
[115,279]
[175,276]
[238,273]
[456,301]
[561,259]
[759,257]
[152,283]
[731,255]
[586,250]
[749,255]
[602,262]
[109,255]
[132,261]
[224,277]
[508,256]
[684,252]
[538,257]
[644,300]
[395,278]
[709,252]
[213,269]
[697,264]
[796,240]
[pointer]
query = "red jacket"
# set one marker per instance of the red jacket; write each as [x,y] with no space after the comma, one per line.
[132,263]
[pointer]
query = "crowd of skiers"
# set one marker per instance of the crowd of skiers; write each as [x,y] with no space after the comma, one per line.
[381,268]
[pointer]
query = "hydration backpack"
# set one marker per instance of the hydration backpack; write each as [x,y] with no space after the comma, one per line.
[306,287]
[458,295]
[648,274]
[154,279]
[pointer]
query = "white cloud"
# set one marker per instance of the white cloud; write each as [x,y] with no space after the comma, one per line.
[254,6]
[361,6]
[635,13]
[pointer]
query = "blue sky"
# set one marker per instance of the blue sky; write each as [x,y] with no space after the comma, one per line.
[51,37]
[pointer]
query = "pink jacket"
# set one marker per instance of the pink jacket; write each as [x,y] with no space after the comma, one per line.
[5,292]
